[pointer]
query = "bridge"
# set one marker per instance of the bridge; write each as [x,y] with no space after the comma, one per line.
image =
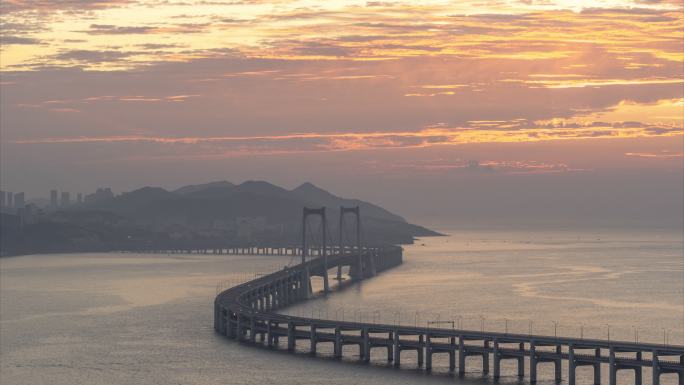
[249,312]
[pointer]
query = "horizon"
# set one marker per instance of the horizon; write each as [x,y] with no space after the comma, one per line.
[475,222]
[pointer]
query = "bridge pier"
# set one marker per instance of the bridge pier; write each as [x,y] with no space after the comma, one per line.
[612,378]
[397,349]
[452,354]
[428,352]
[338,343]
[518,355]
[421,351]
[558,363]
[615,365]
[571,365]
[597,367]
[239,328]
[313,339]
[291,339]
[638,372]
[461,356]
[533,362]
[390,347]
[228,324]
[656,369]
[497,360]
[485,357]
[269,333]
[537,357]
[252,329]
[521,360]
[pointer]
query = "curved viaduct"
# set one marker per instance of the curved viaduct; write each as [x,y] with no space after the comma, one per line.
[249,310]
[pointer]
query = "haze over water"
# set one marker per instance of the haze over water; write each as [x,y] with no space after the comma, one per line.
[127,318]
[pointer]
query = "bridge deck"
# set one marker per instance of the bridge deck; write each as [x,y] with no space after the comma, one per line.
[250,309]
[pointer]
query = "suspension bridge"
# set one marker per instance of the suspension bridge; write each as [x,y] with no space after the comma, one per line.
[249,312]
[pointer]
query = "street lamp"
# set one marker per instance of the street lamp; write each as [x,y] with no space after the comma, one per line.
[636,334]
[666,337]
[555,328]
[376,312]
[339,309]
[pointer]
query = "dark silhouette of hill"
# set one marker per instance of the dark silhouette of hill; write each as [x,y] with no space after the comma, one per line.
[141,203]
[201,206]
[202,216]
[320,197]
[199,187]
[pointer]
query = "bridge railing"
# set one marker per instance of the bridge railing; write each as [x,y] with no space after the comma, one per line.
[425,318]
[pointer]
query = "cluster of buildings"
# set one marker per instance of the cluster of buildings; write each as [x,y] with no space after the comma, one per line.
[13,209]
[10,200]
[63,199]
[13,203]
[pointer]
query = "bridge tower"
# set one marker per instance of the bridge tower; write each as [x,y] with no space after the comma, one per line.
[315,212]
[357,216]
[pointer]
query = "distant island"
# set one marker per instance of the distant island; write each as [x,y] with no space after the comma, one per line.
[211,215]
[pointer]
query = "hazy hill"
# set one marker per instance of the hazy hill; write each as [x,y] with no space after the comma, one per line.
[200,187]
[205,215]
[202,206]
[320,197]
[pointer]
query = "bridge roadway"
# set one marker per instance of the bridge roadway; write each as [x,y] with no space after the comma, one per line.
[248,311]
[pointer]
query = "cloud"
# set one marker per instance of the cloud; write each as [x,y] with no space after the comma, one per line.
[656,155]
[56,5]
[108,29]
[157,46]
[475,167]
[18,40]
[588,83]
[93,56]
[496,132]
[313,48]
[639,37]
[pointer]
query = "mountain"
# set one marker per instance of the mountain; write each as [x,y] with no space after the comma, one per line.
[137,204]
[199,187]
[204,216]
[320,197]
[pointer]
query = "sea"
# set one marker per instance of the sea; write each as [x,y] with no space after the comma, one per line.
[123,318]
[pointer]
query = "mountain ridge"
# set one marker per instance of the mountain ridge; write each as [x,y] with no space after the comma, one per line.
[205,215]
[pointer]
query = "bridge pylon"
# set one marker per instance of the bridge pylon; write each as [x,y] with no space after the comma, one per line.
[356,272]
[324,251]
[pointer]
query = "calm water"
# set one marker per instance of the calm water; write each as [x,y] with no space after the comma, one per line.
[143,319]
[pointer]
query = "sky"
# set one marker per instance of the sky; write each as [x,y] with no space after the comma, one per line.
[468,112]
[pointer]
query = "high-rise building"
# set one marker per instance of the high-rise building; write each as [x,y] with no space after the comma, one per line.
[79,198]
[53,198]
[100,194]
[19,200]
[10,199]
[66,199]
[2,198]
